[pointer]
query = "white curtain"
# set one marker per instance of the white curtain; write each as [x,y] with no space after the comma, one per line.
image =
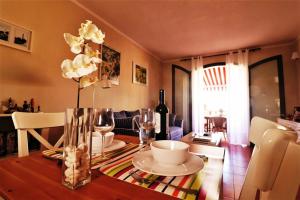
[197,96]
[238,120]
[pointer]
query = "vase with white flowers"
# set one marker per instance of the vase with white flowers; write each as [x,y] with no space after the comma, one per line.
[76,169]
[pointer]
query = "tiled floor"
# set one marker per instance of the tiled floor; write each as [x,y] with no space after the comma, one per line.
[235,166]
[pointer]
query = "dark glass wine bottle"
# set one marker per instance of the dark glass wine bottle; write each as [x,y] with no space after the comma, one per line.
[162,118]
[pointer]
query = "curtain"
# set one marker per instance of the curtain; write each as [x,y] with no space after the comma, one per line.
[197,96]
[238,120]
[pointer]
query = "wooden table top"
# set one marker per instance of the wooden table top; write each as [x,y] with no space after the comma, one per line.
[35,177]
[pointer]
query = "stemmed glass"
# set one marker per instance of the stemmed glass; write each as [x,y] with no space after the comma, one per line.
[147,123]
[103,123]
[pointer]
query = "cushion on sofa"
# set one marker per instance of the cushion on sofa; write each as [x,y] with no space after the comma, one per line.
[296,117]
[121,114]
[132,113]
[172,118]
[176,133]
[123,122]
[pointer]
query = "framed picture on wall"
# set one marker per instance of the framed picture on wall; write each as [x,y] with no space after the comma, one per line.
[110,66]
[139,74]
[15,36]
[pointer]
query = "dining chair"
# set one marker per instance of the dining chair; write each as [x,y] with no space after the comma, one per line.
[220,125]
[272,172]
[27,122]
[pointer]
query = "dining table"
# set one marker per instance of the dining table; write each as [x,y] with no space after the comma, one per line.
[36,177]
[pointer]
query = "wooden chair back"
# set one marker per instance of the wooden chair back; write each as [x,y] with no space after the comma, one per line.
[219,123]
[27,122]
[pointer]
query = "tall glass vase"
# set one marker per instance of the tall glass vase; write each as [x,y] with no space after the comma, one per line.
[76,169]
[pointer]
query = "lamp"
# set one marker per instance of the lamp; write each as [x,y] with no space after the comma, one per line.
[295,55]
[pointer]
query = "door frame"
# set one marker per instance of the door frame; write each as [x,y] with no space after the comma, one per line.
[278,59]
[190,92]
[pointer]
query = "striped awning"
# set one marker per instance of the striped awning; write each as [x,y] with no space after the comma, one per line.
[215,78]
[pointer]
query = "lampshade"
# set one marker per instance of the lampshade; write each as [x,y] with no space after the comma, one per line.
[295,55]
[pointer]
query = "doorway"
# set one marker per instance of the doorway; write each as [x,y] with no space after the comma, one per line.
[266,83]
[181,96]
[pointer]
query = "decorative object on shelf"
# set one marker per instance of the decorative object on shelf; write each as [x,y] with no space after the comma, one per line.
[110,68]
[76,169]
[27,107]
[139,74]
[81,68]
[295,55]
[15,36]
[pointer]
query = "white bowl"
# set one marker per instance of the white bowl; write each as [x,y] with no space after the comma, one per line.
[97,141]
[169,152]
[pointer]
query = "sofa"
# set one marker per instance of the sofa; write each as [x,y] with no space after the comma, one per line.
[125,125]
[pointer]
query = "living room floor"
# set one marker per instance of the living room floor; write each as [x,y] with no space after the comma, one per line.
[234,171]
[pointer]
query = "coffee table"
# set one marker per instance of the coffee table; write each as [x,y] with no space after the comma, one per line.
[210,149]
[213,139]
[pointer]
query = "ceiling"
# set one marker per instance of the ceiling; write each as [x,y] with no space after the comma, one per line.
[181,28]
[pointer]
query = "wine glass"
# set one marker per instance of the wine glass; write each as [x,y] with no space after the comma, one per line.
[103,123]
[147,123]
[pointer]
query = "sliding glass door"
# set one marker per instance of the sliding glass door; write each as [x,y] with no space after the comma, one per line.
[181,99]
[267,88]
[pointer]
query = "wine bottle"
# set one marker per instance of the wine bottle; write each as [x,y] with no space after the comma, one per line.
[162,118]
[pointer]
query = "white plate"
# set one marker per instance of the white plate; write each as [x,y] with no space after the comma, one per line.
[144,161]
[116,144]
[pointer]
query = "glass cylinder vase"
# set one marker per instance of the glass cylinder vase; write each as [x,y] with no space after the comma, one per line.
[76,168]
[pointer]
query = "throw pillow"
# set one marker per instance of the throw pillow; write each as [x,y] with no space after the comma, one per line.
[296,117]
[132,113]
[172,117]
[118,115]
[123,122]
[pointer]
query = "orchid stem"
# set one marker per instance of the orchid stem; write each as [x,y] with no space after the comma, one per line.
[78,92]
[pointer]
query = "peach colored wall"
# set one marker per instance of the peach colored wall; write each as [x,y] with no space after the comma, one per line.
[291,72]
[37,74]
[298,69]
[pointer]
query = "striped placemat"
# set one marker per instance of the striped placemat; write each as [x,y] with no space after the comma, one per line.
[119,165]
[207,181]
[58,153]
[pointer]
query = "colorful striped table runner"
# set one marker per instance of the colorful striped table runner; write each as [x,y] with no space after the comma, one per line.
[58,153]
[207,181]
[119,165]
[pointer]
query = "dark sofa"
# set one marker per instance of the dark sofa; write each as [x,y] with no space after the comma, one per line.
[124,124]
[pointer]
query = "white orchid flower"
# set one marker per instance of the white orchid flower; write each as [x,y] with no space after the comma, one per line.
[98,37]
[68,70]
[85,62]
[74,42]
[82,31]
[84,65]
[90,31]
[94,55]
[81,60]
[80,66]
[86,81]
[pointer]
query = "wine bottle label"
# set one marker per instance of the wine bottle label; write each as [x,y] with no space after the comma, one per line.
[167,123]
[157,122]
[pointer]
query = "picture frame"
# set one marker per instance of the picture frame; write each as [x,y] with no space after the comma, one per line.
[139,74]
[15,36]
[110,66]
